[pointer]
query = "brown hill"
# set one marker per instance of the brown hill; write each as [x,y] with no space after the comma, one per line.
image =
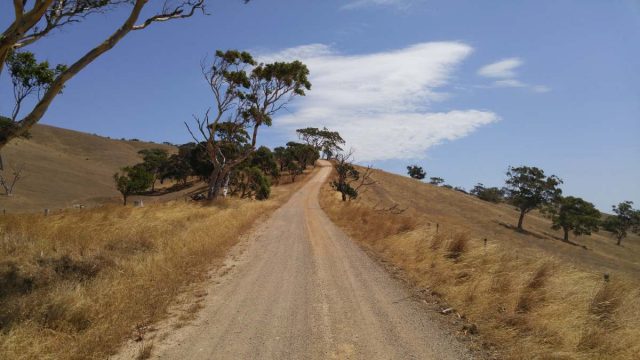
[495,222]
[65,167]
[523,292]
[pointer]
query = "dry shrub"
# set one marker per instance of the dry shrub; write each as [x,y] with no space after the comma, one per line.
[531,293]
[457,245]
[606,301]
[437,240]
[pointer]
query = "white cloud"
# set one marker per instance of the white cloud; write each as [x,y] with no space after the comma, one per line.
[505,73]
[356,4]
[501,69]
[380,102]
[540,88]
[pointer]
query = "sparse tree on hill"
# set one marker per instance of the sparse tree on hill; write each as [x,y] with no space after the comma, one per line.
[34,20]
[350,180]
[132,180]
[436,181]
[154,160]
[416,172]
[573,214]
[626,219]
[247,95]
[528,188]
[10,177]
[492,194]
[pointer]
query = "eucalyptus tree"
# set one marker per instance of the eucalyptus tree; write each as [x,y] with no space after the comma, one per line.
[34,20]
[349,179]
[436,180]
[416,172]
[528,188]
[246,96]
[625,220]
[132,180]
[324,140]
[573,214]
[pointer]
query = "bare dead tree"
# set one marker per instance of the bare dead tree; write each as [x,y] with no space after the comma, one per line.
[9,181]
[32,23]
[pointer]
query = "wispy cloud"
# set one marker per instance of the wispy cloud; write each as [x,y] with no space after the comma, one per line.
[504,71]
[357,4]
[380,102]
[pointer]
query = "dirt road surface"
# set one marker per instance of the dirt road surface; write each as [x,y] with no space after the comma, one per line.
[301,289]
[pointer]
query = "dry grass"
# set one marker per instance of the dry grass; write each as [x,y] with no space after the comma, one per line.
[65,167]
[74,285]
[523,298]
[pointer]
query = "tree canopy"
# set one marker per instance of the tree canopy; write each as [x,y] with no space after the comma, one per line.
[626,219]
[491,194]
[246,95]
[132,180]
[436,180]
[573,214]
[416,172]
[323,140]
[529,188]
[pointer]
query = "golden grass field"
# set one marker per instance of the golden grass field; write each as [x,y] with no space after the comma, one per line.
[76,284]
[530,295]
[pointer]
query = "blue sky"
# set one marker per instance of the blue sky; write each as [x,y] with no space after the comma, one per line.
[462,88]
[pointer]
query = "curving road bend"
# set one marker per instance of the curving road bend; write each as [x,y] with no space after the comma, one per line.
[302,289]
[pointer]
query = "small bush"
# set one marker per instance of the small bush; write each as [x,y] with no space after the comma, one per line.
[457,245]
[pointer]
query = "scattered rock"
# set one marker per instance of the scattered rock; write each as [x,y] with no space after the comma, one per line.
[446,311]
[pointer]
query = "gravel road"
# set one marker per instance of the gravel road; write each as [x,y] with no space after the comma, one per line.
[301,289]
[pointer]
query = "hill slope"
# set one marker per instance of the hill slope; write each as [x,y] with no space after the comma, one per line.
[66,167]
[528,292]
[462,212]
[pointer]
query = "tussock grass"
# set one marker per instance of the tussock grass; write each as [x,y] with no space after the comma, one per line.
[74,285]
[524,302]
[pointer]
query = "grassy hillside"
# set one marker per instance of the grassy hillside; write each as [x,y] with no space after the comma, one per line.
[77,283]
[528,293]
[65,167]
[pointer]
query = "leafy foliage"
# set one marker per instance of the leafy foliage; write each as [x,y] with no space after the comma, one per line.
[436,181]
[492,194]
[416,172]
[132,180]
[573,214]
[324,140]
[29,77]
[626,219]
[250,182]
[155,161]
[247,95]
[529,188]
